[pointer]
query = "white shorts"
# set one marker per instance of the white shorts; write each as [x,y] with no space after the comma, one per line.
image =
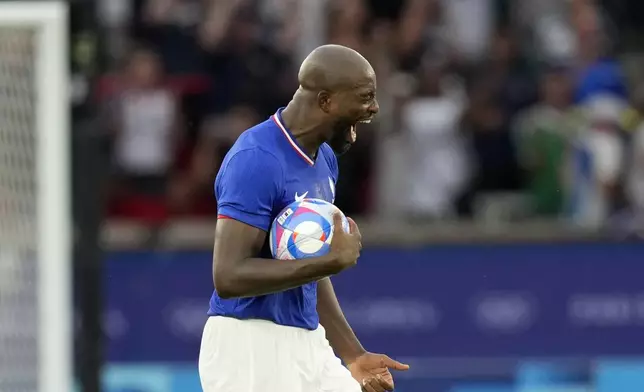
[260,356]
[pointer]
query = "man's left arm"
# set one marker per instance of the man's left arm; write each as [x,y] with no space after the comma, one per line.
[338,332]
[369,369]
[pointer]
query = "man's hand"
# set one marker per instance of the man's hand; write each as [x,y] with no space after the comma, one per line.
[238,273]
[372,371]
[345,246]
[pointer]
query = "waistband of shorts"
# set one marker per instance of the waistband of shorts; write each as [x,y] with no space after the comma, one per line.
[266,324]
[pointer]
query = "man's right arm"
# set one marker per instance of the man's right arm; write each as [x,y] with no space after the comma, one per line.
[247,187]
[238,273]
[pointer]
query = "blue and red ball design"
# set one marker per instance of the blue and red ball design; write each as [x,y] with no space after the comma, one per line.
[304,229]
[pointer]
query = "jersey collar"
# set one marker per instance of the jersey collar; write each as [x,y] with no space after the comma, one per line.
[277,118]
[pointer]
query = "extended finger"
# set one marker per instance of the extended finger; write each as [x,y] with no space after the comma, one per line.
[393,364]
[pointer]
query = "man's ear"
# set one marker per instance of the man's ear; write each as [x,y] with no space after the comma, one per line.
[324,101]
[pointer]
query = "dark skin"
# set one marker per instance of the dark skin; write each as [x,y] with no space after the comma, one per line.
[337,91]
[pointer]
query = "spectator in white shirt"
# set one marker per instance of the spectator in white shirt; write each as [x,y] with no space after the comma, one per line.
[144,120]
[438,166]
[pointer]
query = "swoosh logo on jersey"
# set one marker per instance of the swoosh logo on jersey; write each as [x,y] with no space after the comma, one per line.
[332,187]
[300,198]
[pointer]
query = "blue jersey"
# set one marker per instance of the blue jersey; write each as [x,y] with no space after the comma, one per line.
[263,172]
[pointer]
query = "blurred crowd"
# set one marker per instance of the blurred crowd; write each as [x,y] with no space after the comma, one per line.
[490,109]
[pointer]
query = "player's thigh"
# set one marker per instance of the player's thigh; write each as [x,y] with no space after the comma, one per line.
[247,356]
[219,358]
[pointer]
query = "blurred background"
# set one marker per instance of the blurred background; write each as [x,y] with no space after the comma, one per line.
[500,191]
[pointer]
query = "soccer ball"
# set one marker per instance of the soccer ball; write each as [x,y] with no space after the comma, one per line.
[304,229]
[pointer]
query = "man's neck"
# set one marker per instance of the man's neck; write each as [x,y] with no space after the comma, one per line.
[298,119]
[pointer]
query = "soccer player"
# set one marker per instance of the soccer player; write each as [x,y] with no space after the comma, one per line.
[274,325]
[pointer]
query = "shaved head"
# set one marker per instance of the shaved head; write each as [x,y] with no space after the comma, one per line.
[340,84]
[333,68]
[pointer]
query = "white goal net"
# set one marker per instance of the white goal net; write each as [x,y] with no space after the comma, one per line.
[35,247]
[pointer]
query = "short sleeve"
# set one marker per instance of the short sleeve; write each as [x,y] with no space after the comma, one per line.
[247,187]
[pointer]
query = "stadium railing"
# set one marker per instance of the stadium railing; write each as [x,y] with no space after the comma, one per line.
[198,234]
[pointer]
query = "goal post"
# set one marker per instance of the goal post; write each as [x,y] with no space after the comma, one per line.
[36,308]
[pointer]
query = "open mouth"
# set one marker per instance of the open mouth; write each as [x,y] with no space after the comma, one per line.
[353,134]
